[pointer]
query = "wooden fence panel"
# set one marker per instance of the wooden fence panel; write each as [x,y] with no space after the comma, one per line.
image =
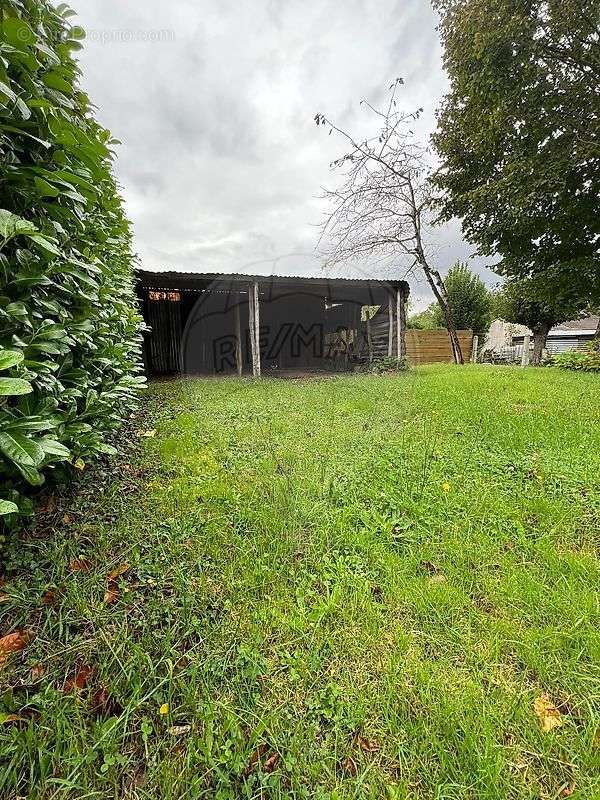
[422,347]
[428,347]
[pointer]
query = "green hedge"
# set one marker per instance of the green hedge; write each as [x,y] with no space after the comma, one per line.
[69,326]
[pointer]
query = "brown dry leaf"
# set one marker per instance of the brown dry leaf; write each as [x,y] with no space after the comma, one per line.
[103,704]
[111,595]
[567,791]
[67,519]
[79,678]
[120,570]
[49,506]
[547,713]
[366,745]
[37,672]
[377,593]
[49,597]
[13,642]
[350,766]
[81,565]
[255,758]
[271,763]
[6,719]
[179,730]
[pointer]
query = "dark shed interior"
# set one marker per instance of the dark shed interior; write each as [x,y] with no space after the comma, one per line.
[204,323]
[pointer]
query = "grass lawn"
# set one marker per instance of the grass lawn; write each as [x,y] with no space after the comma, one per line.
[358,587]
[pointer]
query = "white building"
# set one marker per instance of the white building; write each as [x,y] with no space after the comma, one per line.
[572,335]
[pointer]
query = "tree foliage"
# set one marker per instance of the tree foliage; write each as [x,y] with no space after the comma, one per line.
[519,137]
[425,320]
[69,328]
[523,302]
[470,301]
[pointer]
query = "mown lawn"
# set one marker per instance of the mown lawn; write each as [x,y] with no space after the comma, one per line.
[361,587]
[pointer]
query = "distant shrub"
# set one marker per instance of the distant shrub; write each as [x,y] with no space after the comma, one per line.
[389,364]
[586,360]
[69,327]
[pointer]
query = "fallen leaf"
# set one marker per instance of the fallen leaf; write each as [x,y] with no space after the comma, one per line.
[49,597]
[81,565]
[567,791]
[13,642]
[255,758]
[366,745]
[49,507]
[103,704]
[271,763]
[179,730]
[147,434]
[67,519]
[377,593]
[78,679]
[111,595]
[120,570]
[37,672]
[6,719]
[547,713]
[164,709]
[350,767]
[139,779]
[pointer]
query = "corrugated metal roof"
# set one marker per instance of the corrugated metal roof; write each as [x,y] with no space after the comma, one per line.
[587,325]
[242,276]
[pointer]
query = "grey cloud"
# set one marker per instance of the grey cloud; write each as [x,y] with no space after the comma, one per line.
[221,163]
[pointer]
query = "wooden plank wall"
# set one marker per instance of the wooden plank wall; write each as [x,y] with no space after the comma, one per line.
[422,347]
[427,347]
[164,339]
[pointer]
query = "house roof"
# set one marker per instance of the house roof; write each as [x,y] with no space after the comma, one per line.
[574,326]
[368,291]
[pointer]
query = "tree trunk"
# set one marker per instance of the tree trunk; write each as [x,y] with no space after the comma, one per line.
[540,334]
[439,290]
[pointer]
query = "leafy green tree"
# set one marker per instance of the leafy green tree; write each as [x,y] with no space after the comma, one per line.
[427,319]
[470,301]
[523,301]
[69,326]
[519,136]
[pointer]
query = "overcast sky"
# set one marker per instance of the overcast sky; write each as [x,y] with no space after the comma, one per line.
[221,163]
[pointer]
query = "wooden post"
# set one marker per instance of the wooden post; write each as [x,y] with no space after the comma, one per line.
[238,339]
[403,336]
[525,356]
[401,323]
[256,329]
[369,338]
[397,323]
[252,326]
[390,327]
[474,349]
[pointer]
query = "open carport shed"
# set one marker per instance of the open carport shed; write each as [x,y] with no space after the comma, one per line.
[207,323]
